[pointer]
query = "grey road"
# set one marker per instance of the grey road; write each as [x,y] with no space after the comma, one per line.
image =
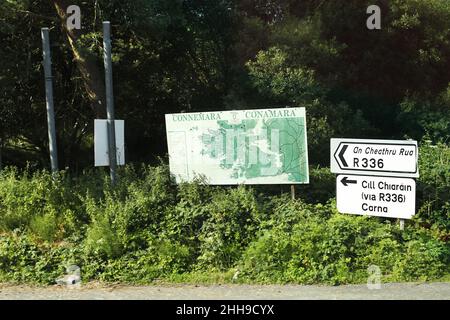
[407,291]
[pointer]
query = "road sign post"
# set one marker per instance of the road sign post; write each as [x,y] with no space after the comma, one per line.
[109,100]
[49,100]
[374,177]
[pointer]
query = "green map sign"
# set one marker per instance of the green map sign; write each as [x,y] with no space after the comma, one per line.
[266,146]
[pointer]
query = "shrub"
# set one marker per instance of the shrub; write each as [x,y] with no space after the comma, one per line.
[148,228]
[433,187]
[233,219]
[422,260]
[21,198]
[46,226]
[321,188]
[102,239]
[22,260]
[339,250]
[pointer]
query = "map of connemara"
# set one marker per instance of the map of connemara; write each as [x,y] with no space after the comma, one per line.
[265,146]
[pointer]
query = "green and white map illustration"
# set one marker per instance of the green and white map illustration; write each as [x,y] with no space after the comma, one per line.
[265,146]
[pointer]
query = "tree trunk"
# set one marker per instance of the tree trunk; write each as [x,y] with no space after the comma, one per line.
[86,63]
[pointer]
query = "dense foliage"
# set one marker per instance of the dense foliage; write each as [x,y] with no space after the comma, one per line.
[148,228]
[179,55]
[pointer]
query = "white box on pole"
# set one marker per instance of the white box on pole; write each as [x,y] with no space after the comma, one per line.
[101,142]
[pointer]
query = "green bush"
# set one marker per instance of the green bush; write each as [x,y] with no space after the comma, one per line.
[102,240]
[233,219]
[422,260]
[24,261]
[321,187]
[160,259]
[42,202]
[45,226]
[340,250]
[22,198]
[147,228]
[433,188]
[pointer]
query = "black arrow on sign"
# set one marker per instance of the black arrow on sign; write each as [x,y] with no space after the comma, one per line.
[345,181]
[341,155]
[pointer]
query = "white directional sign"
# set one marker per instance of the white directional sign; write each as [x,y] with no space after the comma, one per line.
[395,158]
[376,196]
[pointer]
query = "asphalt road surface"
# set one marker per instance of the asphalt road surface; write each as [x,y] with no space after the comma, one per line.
[403,291]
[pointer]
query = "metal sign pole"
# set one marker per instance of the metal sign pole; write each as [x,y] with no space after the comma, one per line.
[109,100]
[49,99]
[292,192]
